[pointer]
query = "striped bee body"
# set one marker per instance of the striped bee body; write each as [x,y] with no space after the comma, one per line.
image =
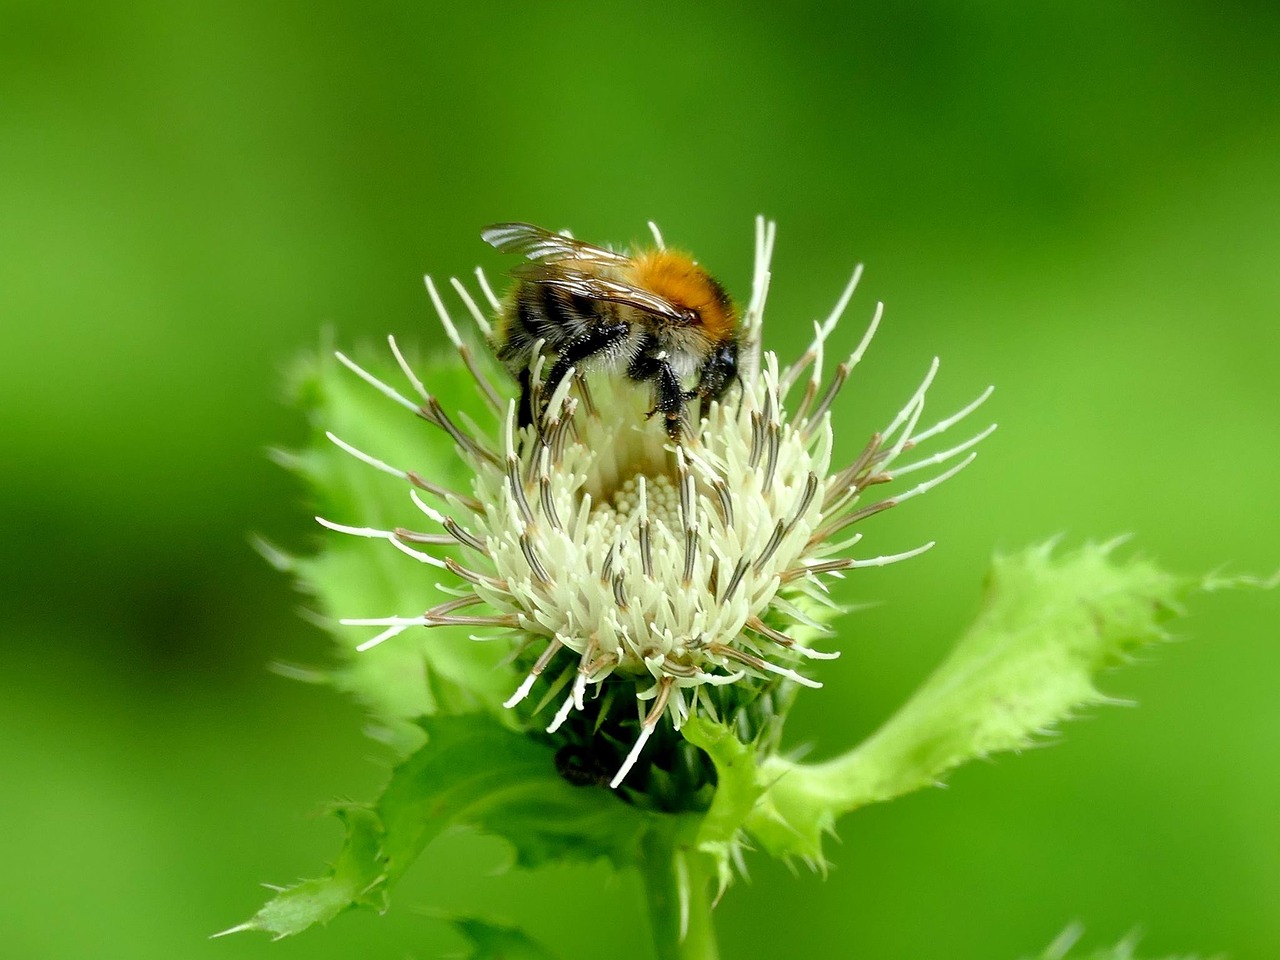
[656,317]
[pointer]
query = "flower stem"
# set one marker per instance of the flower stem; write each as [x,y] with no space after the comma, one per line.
[677,880]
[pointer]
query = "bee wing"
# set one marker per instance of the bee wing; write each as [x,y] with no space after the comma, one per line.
[544,246]
[595,287]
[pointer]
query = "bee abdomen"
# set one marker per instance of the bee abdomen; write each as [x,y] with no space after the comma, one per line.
[541,312]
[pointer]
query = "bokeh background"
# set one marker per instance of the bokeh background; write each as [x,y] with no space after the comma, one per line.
[1079,202]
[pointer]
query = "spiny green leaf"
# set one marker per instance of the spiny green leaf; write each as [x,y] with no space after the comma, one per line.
[737,791]
[355,878]
[419,672]
[474,772]
[1048,624]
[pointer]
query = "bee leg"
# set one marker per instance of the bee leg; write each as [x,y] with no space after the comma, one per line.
[669,397]
[670,400]
[524,409]
[601,339]
[704,406]
[742,396]
[661,406]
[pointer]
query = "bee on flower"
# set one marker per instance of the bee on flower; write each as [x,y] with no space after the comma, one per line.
[657,315]
[647,567]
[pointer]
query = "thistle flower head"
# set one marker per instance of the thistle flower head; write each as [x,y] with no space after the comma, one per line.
[644,581]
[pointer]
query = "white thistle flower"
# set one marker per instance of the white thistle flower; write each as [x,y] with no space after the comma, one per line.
[668,570]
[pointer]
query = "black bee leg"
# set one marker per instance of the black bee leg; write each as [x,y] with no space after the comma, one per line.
[706,399]
[742,394]
[670,399]
[524,409]
[704,407]
[602,338]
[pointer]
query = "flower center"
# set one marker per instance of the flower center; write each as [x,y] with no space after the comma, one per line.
[662,501]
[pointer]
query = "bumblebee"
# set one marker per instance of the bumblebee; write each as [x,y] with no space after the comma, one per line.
[655,315]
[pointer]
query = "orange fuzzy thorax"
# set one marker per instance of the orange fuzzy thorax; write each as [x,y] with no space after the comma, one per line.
[677,278]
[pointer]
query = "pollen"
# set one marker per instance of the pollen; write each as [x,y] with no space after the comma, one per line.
[642,580]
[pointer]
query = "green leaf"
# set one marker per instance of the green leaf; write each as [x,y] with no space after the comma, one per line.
[737,791]
[473,772]
[1048,624]
[491,941]
[355,878]
[420,672]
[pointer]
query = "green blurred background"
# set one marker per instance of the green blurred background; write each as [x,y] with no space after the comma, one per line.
[1078,202]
